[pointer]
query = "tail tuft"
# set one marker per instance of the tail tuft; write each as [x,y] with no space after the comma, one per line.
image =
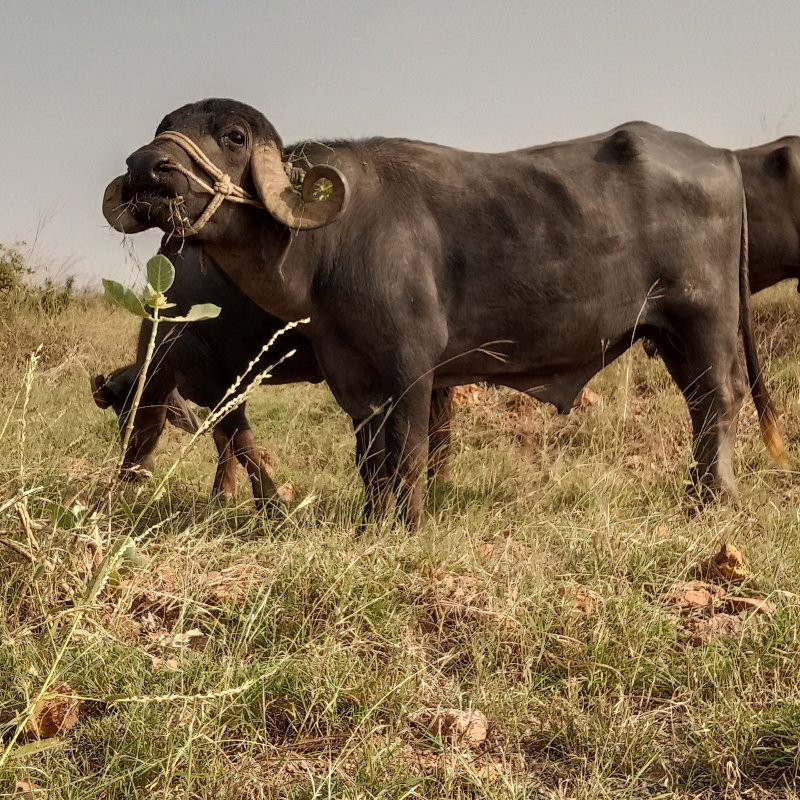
[771,434]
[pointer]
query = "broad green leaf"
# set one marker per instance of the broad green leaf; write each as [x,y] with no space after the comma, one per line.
[203,311]
[114,291]
[197,313]
[160,273]
[124,297]
[61,517]
[124,550]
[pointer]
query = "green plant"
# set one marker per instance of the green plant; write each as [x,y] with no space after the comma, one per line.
[160,277]
[19,287]
[14,269]
[54,297]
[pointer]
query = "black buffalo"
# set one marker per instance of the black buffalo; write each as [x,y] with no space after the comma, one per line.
[424,267]
[202,360]
[771,175]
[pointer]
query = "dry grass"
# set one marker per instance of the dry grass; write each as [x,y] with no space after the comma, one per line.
[226,655]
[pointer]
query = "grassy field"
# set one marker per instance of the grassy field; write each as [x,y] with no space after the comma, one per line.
[231,656]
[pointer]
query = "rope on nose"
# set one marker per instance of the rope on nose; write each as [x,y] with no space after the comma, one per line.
[223,187]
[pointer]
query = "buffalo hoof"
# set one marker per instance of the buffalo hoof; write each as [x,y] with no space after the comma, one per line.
[441,476]
[704,492]
[223,498]
[271,506]
[134,474]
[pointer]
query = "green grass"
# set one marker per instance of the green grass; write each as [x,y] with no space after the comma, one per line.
[301,647]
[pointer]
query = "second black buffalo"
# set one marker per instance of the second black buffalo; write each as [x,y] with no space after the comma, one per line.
[201,361]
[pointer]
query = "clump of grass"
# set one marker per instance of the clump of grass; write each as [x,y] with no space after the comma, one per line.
[236,656]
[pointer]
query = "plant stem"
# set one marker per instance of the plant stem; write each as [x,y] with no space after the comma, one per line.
[148,357]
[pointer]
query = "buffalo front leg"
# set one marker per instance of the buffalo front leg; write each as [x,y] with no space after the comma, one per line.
[708,372]
[440,434]
[407,448]
[225,476]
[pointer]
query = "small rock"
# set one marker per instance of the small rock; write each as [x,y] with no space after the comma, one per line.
[467,727]
[709,629]
[693,595]
[728,564]
[741,605]
[26,790]
[166,579]
[581,598]
[54,715]
[170,664]
[491,772]
[469,395]
[504,553]
[286,492]
[231,584]
[586,398]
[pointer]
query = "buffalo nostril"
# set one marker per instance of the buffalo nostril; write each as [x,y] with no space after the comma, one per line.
[148,164]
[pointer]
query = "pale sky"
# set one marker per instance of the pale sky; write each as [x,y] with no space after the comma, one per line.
[82,84]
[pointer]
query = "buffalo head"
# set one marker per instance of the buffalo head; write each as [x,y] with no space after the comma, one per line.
[117,392]
[206,153]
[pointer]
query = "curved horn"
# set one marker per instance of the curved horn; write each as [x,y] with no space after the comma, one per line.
[300,211]
[116,210]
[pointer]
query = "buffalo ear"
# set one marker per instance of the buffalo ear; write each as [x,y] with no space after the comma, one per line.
[179,413]
[117,212]
[99,392]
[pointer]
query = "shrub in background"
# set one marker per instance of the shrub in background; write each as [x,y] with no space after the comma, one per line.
[18,287]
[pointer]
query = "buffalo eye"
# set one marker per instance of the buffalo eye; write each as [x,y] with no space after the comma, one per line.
[235,138]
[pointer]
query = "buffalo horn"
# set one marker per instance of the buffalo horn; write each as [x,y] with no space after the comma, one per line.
[296,210]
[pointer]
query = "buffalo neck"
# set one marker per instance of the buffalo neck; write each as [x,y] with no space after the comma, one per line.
[269,268]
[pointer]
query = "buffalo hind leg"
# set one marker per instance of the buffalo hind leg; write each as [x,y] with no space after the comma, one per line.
[712,382]
[225,476]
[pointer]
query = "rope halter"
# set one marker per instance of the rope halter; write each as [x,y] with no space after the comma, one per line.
[222,189]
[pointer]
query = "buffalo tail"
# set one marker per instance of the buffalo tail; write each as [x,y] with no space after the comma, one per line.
[767,417]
